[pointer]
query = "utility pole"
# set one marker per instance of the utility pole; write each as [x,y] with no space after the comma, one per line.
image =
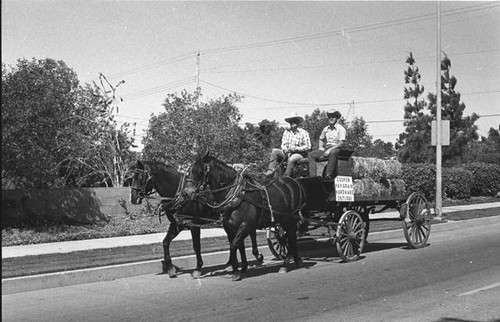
[439,183]
[198,70]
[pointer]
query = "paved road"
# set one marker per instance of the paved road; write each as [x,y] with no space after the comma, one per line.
[456,278]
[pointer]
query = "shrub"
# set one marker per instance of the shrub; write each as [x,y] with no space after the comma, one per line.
[457,183]
[485,179]
[420,177]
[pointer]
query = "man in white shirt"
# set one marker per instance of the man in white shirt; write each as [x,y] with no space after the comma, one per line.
[331,140]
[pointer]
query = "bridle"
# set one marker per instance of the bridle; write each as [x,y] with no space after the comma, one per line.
[141,190]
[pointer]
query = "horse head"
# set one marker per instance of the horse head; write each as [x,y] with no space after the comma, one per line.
[141,183]
[207,172]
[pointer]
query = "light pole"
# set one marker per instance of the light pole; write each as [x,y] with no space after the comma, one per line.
[439,183]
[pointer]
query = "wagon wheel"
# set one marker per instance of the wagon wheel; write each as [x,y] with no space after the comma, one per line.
[350,236]
[417,221]
[365,215]
[277,241]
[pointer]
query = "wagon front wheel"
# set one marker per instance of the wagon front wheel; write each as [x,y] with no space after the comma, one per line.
[417,221]
[350,236]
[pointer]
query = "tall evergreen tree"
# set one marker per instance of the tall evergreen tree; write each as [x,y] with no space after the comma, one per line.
[414,145]
[462,129]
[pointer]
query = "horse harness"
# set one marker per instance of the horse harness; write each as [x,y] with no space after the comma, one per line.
[237,194]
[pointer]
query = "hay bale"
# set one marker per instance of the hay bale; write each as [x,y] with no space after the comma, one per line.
[358,187]
[376,168]
[392,169]
[367,187]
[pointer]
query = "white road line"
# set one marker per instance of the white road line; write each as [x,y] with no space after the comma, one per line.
[480,289]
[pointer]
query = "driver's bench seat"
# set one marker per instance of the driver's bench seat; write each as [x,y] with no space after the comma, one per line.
[344,164]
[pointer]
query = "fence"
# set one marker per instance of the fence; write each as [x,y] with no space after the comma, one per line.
[85,205]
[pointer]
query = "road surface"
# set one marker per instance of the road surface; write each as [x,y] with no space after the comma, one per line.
[455,278]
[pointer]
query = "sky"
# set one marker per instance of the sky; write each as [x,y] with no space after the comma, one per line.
[282,57]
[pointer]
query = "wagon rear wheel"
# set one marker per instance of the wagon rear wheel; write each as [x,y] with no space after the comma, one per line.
[417,221]
[277,242]
[350,236]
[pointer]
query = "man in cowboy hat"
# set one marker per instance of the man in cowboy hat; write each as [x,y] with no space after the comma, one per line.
[332,138]
[295,144]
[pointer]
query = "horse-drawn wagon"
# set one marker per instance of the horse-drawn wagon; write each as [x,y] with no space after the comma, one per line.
[362,187]
[214,192]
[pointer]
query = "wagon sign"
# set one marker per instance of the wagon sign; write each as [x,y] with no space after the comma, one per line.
[344,189]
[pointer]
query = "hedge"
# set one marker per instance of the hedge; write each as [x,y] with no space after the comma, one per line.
[420,177]
[485,179]
[457,183]
[475,179]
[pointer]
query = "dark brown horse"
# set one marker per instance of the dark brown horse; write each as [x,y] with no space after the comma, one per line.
[248,205]
[150,176]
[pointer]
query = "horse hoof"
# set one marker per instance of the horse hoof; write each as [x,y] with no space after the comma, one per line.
[260,258]
[172,272]
[299,263]
[283,270]
[196,274]
[236,277]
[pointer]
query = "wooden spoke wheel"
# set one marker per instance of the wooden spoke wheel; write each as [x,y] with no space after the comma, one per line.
[277,241]
[350,236]
[417,221]
[364,212]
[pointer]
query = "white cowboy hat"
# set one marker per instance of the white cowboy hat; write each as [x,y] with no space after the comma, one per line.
[294,116]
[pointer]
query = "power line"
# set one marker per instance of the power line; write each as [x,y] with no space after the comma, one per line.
[161,88]
[154,65]
[482,6]
[391,23]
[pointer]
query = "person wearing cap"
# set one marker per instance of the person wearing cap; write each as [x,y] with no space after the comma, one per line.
[331,140]
[295,144]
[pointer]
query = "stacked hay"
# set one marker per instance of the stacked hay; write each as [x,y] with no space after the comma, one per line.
[376,168]
[377,178]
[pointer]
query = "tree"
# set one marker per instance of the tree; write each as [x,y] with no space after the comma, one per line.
[257,141]
[486,150]
[414,145]
[54,130]
[383,150]
[37,96]
[314,124]
[189,126]
[103,154]
[463,132]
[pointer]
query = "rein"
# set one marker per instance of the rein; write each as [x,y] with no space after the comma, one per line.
[233,192]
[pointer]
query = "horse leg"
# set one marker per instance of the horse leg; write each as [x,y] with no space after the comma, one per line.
[235,245]
[230,236]
[291,237]
[243,255]
[255,250]
[167,267]
[195,236]
[292,240]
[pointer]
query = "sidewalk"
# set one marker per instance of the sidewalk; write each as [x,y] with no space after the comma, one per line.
[149,239]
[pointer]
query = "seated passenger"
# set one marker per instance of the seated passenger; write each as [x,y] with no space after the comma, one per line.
[295,144]
[331,140]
